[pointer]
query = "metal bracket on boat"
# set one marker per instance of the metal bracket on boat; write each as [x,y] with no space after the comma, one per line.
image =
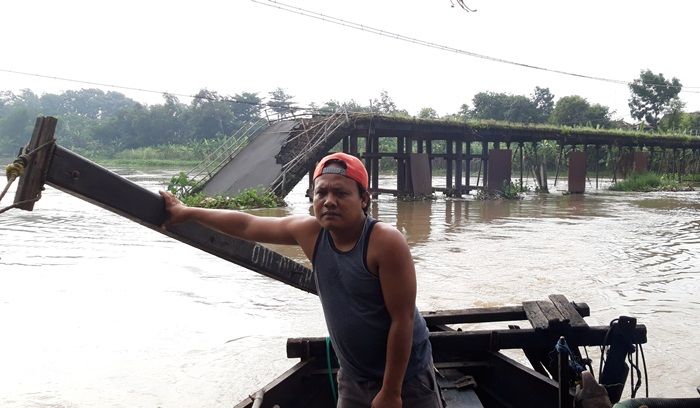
[38,153]
[465,383]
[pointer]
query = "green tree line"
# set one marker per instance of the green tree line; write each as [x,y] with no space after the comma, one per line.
[99,122]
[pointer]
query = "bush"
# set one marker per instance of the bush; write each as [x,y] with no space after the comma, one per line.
[510,191]
[645,182]
[188,191]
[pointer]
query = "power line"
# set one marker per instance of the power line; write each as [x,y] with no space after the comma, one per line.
[361,27]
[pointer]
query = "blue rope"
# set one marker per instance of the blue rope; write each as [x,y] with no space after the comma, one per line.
[563,348]
[330,369]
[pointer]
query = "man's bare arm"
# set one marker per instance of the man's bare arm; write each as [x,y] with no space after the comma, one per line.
[290,230]
[397,277]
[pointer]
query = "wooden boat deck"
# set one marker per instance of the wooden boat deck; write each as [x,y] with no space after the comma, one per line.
[472,371]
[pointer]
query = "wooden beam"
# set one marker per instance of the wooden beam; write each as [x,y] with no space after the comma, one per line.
[487,314]
[457,345]
[38,152]
[86,180]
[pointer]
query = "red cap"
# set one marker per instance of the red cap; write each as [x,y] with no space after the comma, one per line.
[354,169]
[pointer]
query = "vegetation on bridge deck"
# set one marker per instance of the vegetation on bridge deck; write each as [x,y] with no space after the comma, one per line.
[493,130]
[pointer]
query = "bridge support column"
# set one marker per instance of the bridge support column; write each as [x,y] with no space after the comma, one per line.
[641,162]
[499,169]
[577,172]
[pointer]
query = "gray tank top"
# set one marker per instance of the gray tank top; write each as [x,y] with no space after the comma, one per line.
[353,305]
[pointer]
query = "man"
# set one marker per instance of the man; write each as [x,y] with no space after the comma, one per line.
[365,279]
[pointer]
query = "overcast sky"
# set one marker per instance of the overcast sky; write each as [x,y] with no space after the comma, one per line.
[241,46]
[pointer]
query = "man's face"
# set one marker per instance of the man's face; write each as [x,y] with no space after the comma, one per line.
[337,202]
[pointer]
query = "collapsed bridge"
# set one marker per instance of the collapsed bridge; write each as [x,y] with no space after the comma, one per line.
[277,155]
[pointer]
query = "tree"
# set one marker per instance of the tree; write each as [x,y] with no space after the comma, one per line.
[501,106]
[247,107]
[673,115]
[280,101]
[598,115]
[384,104]
[16,126]
[464,112]
[544,103]
[575,110]
[570,111]
[652,95]
[428,113]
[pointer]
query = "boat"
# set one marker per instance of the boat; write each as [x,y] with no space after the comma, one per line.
[472,368]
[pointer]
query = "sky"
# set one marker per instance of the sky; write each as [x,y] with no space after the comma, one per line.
[239,46]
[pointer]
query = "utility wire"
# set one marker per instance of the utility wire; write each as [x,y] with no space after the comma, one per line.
[129,88]
[345,23]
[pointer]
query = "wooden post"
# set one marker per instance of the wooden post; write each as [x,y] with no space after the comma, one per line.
[400,164]
[520,147]
[353,144]
[467,166]
[32,182]
[375,163]
[407,153]
[597,159]
[559,160]
[346,144]
[448,164]
[310,190]
[429,150]
[458,168]
[485,160]
[675,163]
[369,144]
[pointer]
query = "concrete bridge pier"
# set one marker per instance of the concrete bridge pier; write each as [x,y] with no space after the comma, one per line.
[577,172]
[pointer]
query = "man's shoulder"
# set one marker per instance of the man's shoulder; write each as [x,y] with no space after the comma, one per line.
[306,223]
[383,233]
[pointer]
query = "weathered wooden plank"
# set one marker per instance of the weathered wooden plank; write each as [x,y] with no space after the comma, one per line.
[567,310]
[485,314]
[551,313]
[78,176]
[535,315]
[457,345]
[31,183]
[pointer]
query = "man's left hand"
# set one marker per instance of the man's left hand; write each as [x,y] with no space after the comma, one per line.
[387,400]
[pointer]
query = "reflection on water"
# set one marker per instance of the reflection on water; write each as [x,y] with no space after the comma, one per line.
[99,311]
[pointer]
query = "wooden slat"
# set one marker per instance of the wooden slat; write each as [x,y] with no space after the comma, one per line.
[475,315]
[568,310]
[485,314]
[535,315]
[551,313]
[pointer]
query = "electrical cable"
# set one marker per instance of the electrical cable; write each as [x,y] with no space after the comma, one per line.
[357,26]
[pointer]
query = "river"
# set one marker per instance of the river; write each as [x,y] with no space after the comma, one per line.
[98,311]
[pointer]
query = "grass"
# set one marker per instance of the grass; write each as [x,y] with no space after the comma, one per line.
[645,182]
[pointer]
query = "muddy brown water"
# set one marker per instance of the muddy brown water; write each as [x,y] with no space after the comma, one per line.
[99,311]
